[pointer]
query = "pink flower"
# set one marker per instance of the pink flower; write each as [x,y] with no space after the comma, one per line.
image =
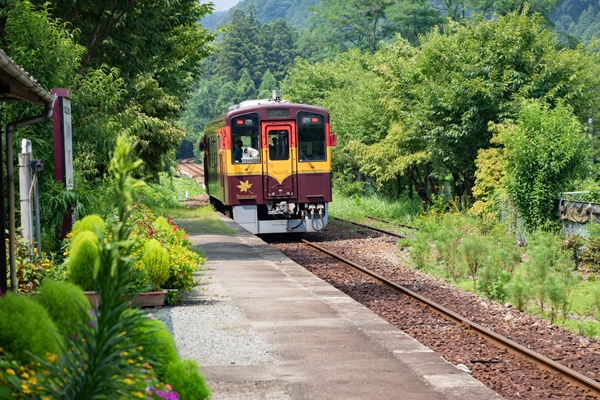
[151,231]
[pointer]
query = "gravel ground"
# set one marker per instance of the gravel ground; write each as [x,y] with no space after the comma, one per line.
[210,329]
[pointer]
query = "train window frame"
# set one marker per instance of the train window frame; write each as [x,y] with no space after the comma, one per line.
[314,149]
[279,144]
[246,129]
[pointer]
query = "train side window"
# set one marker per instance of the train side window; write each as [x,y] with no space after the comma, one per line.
[312,144]
[279,145]
[245,139]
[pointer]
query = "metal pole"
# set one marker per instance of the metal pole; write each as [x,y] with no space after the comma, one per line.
[10,171]
[38,235]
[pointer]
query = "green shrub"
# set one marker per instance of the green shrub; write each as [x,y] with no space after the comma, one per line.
[87,223]
[83,256]
[26,326]
[474,251]
[575,244]
[519,292]
[155,261]
[184,263]
[492,282]
[66,304]
[590,255]
[419,252]
[183,375]
[158,345]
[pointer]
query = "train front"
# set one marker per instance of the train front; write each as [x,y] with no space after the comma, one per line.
[278,167]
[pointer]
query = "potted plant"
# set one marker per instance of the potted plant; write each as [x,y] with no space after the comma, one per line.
[155,263]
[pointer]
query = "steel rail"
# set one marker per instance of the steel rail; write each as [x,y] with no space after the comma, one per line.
[499,340]
[371,227]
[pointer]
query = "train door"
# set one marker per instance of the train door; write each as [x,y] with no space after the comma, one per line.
[280,178]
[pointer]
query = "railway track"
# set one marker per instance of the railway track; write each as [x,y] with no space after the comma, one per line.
[498,366]
[491,336]
[188,166]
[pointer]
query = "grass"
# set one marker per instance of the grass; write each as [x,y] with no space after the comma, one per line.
[359,208]
[163,199]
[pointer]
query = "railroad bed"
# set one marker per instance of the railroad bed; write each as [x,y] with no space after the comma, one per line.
[514,377]
[263,327]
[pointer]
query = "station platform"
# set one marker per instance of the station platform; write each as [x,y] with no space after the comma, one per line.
[262,327]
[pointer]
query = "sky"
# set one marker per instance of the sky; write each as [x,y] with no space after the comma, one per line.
[223,5]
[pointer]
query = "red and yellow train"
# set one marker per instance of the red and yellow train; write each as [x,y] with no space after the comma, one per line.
[267,165]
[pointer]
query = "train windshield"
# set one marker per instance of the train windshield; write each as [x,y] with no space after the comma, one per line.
[245,139]
[311,137]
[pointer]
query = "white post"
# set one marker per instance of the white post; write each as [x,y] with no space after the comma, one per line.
[24,186]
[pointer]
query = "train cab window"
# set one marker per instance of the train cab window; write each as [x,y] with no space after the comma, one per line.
[312,145]
[279,145]
[245,139]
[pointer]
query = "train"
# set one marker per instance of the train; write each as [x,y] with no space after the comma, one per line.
[267,165]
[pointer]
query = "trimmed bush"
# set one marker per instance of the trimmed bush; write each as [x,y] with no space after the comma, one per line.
[186,380]
[83,257]
[26,326]
[158,344]
[155,261]
[66,304]
[87,223]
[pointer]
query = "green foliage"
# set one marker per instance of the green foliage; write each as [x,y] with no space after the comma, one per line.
[474,251]
[186,379]
[155,261]
[519,292]
[165,194]
[546,150]
[489,183]
[159,344]
[26,327]
[492,283]
[445,94]
[88,223]
[65,303]
[590,255]
[419,252]
[548,270]
[83,258]
[268,84]
[30,266]
[103,356]
[575,244]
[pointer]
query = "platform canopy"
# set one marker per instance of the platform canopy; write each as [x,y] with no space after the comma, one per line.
[17,85]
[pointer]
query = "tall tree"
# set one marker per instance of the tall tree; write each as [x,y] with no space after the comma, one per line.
[279,40]
[350,24]
[268,84]
[241,48]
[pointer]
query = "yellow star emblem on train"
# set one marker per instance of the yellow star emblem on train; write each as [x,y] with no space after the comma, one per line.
[245,186]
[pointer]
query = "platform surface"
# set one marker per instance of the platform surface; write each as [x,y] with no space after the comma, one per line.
[262,327]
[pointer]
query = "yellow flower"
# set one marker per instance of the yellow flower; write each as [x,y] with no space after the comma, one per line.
[25,388]
[25,375]
[128,381]
[10,371]
[32,380]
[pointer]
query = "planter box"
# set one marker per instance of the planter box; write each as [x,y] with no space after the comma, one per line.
[144,299]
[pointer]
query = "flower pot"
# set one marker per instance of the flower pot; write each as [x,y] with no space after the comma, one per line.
[93,298]
[144,299]
[150,299]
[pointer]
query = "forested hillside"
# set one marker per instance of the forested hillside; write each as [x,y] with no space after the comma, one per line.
[293,11]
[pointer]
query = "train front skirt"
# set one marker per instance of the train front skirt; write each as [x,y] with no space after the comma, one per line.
[314,221]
